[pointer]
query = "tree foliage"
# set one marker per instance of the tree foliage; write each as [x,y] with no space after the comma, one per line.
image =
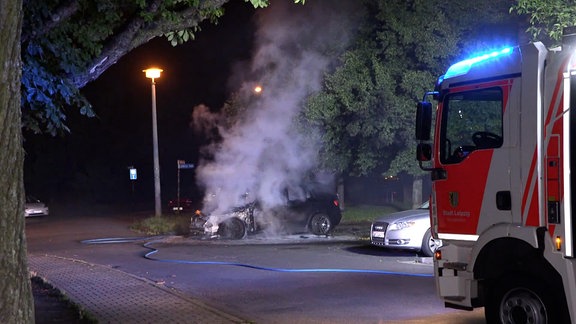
[547,17]
[366,108]
[69,43]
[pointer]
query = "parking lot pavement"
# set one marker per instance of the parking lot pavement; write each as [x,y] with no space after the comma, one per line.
[456,317]
[298,254]
[113,296]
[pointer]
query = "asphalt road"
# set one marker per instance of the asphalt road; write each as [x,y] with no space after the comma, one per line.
[290,279]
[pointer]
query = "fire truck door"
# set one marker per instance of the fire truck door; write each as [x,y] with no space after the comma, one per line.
[471,131]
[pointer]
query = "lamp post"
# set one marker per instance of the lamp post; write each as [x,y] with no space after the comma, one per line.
[154,73]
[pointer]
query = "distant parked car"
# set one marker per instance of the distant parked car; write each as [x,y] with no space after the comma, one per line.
[184,205]
[317,214]
[33,207]
[407,230]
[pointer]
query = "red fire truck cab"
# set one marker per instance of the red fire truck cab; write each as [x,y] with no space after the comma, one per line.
[500,159]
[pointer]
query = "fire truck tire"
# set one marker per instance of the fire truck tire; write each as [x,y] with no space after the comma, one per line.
[320,224]
[521,300]
[232,228]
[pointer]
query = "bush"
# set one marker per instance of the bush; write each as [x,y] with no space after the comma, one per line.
[163,225]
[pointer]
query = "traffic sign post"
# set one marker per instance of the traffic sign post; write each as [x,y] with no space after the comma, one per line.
[133,174]
[181,164]
[133,177]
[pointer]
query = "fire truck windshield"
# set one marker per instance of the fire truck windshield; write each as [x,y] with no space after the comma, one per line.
[471,120]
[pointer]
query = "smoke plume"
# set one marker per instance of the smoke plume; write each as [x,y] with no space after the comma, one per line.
[263,152]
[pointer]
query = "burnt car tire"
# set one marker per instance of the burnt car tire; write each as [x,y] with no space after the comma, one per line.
[320,224]
[233,229]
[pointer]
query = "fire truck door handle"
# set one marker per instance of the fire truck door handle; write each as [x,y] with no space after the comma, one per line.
[503,200]
[554,212]
[438,174]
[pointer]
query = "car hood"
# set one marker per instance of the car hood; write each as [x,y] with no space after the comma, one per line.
[404,215]
[34,205]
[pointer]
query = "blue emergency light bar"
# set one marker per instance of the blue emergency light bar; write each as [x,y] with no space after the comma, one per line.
[463,67]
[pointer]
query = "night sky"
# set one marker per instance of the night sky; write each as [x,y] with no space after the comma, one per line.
[91,163]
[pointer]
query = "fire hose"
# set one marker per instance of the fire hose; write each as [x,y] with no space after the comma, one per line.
[155,239]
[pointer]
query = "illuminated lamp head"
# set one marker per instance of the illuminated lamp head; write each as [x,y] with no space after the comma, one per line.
[153,73]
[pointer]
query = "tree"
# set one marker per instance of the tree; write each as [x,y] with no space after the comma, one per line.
[15,292]
[366,108]
[547,17]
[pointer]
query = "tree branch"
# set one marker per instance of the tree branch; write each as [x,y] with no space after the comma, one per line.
[137,32]
[62,13]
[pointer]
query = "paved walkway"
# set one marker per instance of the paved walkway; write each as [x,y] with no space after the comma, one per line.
[113,296]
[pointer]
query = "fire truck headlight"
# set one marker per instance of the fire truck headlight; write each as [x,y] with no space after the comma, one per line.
[558,243]
[401,225]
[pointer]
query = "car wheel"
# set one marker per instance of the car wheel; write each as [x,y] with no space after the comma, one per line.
[520,300]
[232,228]
[429,244]
[320,224]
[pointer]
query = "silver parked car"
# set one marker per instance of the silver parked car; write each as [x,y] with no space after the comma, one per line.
[408,230]
[34,207]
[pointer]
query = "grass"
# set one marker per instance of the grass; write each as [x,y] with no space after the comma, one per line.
[365,213]
[163,225]
[356,220]
[50,301]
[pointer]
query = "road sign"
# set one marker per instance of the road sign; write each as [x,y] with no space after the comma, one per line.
[186,166]
[133,174]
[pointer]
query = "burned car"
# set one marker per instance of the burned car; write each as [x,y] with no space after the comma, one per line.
[317,214]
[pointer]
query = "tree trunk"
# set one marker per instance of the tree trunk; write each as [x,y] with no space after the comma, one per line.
[340,190]
[16,301]
[417,192]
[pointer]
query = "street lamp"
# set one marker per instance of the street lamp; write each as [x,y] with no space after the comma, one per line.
[154,73]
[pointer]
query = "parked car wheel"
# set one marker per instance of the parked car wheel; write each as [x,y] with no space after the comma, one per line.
[429,244]
[232,228]
[320,224]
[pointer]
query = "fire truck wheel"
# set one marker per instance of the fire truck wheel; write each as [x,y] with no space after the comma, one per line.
[320,224]
[429,245]
[232,228]
[520,300]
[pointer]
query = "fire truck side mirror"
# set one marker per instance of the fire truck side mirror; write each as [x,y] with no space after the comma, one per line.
[423,152]
[423,120]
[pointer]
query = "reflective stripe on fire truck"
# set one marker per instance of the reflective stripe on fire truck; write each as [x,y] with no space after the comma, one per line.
[459,237]
[567,185]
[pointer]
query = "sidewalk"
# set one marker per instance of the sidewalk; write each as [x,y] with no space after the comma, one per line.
[113,296]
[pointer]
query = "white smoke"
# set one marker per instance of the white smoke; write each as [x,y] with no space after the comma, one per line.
[263,152]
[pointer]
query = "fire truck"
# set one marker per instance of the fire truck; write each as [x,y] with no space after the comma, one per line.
[499,148]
